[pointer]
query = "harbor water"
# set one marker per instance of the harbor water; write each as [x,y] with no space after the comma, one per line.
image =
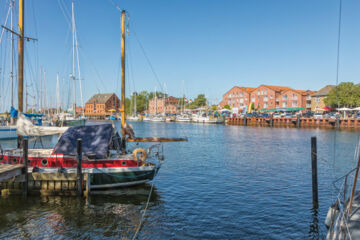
[226,182]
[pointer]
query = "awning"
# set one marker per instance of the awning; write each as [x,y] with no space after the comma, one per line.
[95,140]
[326,108]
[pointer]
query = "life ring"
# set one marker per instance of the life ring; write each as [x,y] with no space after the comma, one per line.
[142,156]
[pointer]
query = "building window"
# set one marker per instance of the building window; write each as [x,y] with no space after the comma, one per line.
[258,92]
[265,92]
[294,103]
[265,105]
[270,103]
[294,96]
[265,99]
[252,99]
[241,94]
[317,99]
[284,104]
[284,97]
[241,100]
[271,97]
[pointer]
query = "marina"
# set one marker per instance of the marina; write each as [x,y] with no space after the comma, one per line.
[276,156]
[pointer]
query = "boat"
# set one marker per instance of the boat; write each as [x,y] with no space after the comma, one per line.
[202,117]
[106,158]
[157,119]
[183,118]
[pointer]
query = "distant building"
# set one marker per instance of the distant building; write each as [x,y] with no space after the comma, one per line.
[237,97]
[102,105]
[168,105]
[79,110]
[267,97]
[317,99]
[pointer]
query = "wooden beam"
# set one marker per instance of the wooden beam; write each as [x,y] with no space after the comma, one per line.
[157,139]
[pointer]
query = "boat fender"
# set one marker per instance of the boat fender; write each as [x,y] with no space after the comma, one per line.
[143,154]
[332,215]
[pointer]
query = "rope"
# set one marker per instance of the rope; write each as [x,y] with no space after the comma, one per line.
[145,209]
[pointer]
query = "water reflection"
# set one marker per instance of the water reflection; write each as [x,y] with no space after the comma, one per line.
[112,213]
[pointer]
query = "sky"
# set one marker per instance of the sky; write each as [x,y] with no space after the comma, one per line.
[189,47]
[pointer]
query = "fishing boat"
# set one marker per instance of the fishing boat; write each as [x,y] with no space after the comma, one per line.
[183,118]
[105,155]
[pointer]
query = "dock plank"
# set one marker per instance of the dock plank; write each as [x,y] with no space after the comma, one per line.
[8,171]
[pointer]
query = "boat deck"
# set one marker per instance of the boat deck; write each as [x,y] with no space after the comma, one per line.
[354,219]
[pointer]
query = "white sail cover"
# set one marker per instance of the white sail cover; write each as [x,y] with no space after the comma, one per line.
[24,127]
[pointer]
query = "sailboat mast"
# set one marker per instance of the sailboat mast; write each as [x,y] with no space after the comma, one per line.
[12,6]
[123,71]
[21,56]
[73,52]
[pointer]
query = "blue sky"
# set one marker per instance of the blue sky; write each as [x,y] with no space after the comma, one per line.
[209,45]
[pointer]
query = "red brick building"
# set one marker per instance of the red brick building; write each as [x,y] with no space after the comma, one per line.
[237,97]
[267,97]
[168,105]
[102,105]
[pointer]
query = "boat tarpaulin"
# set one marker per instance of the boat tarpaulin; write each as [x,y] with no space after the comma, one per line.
[95,140]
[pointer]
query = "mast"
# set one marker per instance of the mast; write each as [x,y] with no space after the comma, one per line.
[122,109]
[57,95]
[155,102]
[21,56]
[12,6]
[72,76]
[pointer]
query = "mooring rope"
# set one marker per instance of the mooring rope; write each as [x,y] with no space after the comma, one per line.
[145,209]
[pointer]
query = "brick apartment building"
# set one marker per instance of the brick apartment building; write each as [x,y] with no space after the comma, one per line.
[168,105]
[267,97]
[102,105]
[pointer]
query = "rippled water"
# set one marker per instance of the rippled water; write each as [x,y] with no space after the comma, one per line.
[227,182]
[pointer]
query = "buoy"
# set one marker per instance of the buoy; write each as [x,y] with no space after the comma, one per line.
[143,154]
[332,215]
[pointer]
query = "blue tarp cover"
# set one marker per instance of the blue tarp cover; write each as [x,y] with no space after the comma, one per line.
[95,140]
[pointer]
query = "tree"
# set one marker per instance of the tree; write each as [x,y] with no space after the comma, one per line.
[214,107]
[227,107]
[200,101]
[346,94]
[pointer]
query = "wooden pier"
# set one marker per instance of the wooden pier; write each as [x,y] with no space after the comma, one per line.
[295,122]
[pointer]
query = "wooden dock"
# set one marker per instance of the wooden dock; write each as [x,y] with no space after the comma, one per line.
[8,171]
[295,122]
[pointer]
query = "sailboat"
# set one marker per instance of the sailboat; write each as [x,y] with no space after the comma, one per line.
[105,156]
[134,117]
[68,120]
[157,117]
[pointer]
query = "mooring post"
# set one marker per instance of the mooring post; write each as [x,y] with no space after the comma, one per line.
[298,122]
[79,170]
[245,120]
[271,120]
[337,124]
[314,172]
[25,162]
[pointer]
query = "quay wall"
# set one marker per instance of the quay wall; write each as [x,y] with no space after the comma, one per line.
[294,122]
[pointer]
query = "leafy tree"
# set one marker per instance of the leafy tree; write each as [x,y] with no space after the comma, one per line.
[200,101]
[214,107]
[227,107]
[346,94]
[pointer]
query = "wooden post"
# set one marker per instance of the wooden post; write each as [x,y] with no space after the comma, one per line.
[298,122]
[314,172]
[271,120]
[337,124]
[25,161]
[79,170]
[245,120]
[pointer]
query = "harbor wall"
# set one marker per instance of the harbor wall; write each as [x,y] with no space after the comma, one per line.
[294,122]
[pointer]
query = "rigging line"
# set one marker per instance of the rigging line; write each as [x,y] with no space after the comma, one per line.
[337,82]
[3,29]
[65,14]
[148,60]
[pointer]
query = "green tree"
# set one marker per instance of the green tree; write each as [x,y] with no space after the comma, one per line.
[214,107]
[200,101]
[227,107]
[346,94]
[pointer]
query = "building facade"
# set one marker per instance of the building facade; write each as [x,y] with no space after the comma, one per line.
[169,105]
[267,97]
[102,105]
[237,97]
[317,99]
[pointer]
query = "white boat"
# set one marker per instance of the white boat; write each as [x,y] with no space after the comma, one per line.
[133,118]
[158,119]
[203,118]
[183,118]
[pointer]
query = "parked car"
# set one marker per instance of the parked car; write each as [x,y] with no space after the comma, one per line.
[276,115]
[288,115]
[318,116]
